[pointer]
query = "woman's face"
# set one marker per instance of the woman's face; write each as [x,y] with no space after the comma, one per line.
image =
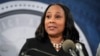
[54,20]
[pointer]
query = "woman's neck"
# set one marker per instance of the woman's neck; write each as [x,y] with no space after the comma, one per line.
[56,40]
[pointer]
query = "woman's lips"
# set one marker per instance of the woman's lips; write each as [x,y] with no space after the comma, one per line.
[52,27]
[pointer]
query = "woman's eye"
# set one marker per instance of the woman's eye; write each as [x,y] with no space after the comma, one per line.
[47,16]
[57,16]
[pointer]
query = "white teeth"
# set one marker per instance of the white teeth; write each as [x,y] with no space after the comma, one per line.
[52,27]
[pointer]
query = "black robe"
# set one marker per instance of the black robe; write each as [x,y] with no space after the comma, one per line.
[34,47]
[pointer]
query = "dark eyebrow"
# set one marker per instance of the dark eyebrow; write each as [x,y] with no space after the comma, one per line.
[58,12]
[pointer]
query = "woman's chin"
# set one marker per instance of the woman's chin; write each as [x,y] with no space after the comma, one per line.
[52,34]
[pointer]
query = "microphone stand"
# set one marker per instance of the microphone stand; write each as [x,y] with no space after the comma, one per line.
[35,49]
[72,52]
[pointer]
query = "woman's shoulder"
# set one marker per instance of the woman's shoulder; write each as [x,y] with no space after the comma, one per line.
[32,42]
[33,39]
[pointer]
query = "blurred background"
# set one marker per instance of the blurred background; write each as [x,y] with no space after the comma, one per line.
[20,18]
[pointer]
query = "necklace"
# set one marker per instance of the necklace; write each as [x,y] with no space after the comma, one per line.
[57,46]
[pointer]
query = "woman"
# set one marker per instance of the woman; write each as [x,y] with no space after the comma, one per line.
[56,26]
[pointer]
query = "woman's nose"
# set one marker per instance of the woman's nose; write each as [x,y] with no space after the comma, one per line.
[52,20]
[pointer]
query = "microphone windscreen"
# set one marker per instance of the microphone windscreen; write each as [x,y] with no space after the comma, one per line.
[68,44]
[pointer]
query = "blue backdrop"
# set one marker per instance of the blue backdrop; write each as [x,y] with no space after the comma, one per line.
[86,13]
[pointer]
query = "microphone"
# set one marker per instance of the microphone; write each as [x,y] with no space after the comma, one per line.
[79,48]
[69,46]
[98,50]
[35,49]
